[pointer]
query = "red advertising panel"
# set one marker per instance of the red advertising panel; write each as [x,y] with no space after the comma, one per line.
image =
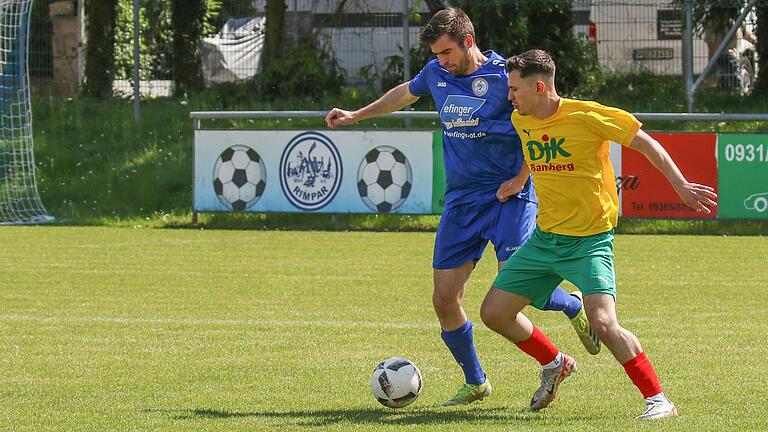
[650,195]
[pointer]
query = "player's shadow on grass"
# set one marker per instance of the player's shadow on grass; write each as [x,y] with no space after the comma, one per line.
[421,415]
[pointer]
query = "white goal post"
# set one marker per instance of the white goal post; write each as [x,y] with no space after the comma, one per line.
[19,199]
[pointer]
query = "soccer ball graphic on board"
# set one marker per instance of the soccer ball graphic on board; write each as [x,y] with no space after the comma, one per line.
[239,177]
[396,382]
[384,179]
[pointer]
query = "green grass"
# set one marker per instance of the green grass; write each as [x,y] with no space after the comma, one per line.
[199,330]
[390,222]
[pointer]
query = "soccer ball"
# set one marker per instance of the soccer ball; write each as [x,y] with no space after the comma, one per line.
[239,177]
[384,179]
[396,382]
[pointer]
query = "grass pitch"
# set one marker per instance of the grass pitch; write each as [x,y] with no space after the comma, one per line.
[137,329]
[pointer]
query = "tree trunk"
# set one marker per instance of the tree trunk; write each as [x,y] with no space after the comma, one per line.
[761,32]
[100,48]
[187,17]
[273,38]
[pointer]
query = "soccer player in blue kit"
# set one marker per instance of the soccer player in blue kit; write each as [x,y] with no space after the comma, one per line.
[487,196]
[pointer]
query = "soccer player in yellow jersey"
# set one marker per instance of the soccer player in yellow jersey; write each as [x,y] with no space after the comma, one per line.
[566,148]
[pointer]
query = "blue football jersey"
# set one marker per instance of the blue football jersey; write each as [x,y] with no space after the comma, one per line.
[480,146]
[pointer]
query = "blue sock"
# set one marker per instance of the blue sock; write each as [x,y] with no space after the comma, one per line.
[561,300]
[462,346]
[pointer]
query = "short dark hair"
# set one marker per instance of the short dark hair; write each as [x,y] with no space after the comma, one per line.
[452,22]
[532,62]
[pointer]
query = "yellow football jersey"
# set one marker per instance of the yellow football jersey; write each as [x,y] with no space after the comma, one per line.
[569,157]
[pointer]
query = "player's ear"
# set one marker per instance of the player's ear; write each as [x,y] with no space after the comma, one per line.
[540,86]
[469,41]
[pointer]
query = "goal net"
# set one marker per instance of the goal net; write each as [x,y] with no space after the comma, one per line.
[19,199]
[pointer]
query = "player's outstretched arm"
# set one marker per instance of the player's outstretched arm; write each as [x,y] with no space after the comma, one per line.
[697,196]
[393,100]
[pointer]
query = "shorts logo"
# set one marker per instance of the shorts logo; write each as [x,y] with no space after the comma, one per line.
[310,170]
[480,86]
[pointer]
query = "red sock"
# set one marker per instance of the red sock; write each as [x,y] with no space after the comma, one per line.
[539,347]
[641,373]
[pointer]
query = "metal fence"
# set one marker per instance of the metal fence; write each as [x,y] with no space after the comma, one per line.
[646,35]
[629,36]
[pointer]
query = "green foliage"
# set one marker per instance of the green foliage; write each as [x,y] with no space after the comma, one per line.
[693,227]
[93,160]
[156,37]
[510,28]
[308,72]
[646,92]
[410,223]
[211,16]
[392,73]
[642,92]
[225,10]
[507,28]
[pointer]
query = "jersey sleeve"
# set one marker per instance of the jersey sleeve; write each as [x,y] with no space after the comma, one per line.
[419,85]
[613,124]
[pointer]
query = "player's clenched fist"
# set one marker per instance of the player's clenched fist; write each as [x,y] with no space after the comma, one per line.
[339,117]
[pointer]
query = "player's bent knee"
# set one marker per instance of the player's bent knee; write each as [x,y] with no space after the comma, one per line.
[488,318]
[491,315]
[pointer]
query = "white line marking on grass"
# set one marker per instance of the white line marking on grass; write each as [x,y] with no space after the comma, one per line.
[219,322]
[295,323]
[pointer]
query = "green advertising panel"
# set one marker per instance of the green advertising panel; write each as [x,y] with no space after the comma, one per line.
[742,161]
[438,173]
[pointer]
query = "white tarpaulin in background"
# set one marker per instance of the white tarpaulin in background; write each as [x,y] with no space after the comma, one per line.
[235,52]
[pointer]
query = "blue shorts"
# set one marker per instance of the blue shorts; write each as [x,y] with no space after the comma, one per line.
[465,230]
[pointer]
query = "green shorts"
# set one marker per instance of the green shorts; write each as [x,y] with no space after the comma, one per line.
[538,267]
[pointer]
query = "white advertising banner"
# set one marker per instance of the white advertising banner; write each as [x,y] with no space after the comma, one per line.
[311,171]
